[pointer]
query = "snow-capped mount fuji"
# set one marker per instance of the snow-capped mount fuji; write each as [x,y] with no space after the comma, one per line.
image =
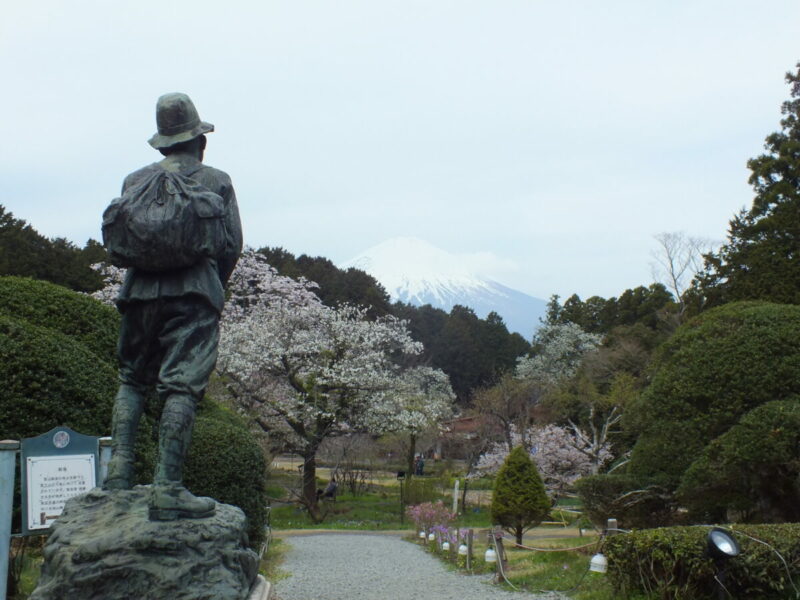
[417,272]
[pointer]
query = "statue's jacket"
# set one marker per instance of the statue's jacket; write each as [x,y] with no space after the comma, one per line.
[206,278]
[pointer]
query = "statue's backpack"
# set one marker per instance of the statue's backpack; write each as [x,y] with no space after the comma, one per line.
[164,221]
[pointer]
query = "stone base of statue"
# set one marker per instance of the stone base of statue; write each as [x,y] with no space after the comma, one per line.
[104,547]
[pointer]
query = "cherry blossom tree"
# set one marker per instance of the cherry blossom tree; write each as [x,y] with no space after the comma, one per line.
[559,350]
[112,282]
[423,399]
[306,371]
[561,456]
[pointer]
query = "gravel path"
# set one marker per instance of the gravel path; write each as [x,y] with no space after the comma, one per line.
[377,567]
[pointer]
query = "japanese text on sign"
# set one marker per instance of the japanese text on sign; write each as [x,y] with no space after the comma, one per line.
[52,480]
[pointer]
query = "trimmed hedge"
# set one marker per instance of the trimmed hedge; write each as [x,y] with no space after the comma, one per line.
[672,562]
[48,305]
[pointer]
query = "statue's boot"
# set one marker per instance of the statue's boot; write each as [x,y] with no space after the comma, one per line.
[124,425]
[169,500]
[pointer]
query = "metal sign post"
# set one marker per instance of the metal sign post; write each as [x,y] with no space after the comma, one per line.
[8,455]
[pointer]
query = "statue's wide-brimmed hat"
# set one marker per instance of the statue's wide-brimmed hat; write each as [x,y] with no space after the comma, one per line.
[177,121]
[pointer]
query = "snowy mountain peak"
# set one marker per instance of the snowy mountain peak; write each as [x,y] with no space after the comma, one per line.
[413,270]
[417,272]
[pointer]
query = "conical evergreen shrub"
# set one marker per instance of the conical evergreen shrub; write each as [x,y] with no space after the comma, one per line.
[519,500]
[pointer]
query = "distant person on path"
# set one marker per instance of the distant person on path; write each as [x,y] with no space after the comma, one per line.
[330,489]
[170,312]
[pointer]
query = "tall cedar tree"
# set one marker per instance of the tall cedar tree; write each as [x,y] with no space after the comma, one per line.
[519,501]
[761,259]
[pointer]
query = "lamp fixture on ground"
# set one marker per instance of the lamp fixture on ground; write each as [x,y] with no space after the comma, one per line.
[599,563]
[490,556]
[721,547]
[462,550]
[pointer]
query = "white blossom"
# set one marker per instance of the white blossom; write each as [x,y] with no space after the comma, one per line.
[112,282]
[560,348]
[561,457]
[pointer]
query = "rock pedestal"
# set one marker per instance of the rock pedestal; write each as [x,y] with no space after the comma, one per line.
[104,547]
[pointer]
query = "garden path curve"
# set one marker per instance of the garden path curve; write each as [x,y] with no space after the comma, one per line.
[377,567]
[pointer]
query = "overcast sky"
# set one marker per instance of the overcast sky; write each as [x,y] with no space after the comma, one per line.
[552,138]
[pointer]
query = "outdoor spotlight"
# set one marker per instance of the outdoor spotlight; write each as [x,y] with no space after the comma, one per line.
[722,545]
[490,556]
[445,546]
[422,535]
[462,550]
[599,563]
[431,536]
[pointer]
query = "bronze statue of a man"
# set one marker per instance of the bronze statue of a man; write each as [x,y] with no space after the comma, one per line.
[170,316]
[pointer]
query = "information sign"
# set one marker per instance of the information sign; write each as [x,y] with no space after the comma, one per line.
[52,480]
[58,465]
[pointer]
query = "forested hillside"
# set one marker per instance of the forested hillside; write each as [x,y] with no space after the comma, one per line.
[27,253]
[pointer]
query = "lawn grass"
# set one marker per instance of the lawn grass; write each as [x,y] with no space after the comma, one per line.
[378,509]
[548,571]
[272,562]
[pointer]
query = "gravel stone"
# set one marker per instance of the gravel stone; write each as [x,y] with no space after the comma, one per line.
[376,567]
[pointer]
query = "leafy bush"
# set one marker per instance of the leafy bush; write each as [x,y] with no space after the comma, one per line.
[712,371]
[50,379]
[519,500]
[48,305]
[753,469]
[672,562]
[624,497]
[226,463]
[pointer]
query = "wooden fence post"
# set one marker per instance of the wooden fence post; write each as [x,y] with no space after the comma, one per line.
[470,536]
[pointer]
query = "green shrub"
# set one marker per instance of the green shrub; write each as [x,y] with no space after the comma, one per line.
[49,379]
[48,305]
[519,500]
[672,562]
[753,469]
[226,463]
[624,497]
[712,371]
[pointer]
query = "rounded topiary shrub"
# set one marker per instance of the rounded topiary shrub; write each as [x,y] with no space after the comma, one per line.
[519,500]
[712,371]
[226,463]
[48,305]
[49,379]
[751,472]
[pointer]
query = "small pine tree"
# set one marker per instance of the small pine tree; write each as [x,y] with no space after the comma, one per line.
[519,501]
